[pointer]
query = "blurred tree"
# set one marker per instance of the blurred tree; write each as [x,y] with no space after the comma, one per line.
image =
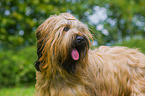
[20,18]
[125,19]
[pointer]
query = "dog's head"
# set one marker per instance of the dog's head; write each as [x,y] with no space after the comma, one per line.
[62,42]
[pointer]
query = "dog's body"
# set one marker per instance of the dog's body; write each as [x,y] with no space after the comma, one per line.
[67,67]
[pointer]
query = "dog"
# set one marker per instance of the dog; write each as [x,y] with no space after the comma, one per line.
[67,67]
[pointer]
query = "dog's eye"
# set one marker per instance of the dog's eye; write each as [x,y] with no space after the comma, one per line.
[66,28]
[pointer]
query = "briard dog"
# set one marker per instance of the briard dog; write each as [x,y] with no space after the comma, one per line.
[67,67]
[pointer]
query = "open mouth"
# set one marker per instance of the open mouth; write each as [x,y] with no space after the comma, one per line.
[75,54]
[80,48]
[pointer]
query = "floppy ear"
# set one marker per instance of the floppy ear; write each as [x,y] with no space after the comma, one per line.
[39,48]
[37,64]
[42,35]
[39,54]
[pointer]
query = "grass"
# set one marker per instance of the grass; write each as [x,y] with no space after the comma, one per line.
[18,91]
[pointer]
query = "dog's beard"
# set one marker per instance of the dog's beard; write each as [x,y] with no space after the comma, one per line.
[75,55]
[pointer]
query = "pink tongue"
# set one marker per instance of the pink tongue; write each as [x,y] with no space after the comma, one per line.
[75,54]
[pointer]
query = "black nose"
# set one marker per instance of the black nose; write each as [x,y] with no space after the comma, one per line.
[79,39]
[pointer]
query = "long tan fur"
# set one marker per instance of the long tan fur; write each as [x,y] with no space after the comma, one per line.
[106,71]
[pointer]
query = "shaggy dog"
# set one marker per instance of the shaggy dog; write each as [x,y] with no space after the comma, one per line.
[67,67]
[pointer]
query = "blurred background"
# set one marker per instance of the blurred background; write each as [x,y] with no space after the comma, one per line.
[112,22]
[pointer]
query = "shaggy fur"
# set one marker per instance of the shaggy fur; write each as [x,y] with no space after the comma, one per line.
[106,71]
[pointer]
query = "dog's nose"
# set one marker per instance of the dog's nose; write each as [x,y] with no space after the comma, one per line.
[80,39]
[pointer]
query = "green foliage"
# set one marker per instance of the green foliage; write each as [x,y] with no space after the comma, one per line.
[20,18]
[134,43]
[124,18]
[17,67]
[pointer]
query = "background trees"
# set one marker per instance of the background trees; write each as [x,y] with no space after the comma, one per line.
[110,21]
[20,18]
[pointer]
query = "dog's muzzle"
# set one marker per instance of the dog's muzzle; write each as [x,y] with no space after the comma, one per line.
[77,52]
[80,43]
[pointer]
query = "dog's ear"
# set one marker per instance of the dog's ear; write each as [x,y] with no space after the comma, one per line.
[37,64]
[39,54]
[39,49]
[42,36]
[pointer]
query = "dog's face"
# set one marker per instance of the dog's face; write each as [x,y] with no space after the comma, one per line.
[61,41]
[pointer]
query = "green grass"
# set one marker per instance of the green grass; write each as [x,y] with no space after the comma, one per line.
[18,91]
